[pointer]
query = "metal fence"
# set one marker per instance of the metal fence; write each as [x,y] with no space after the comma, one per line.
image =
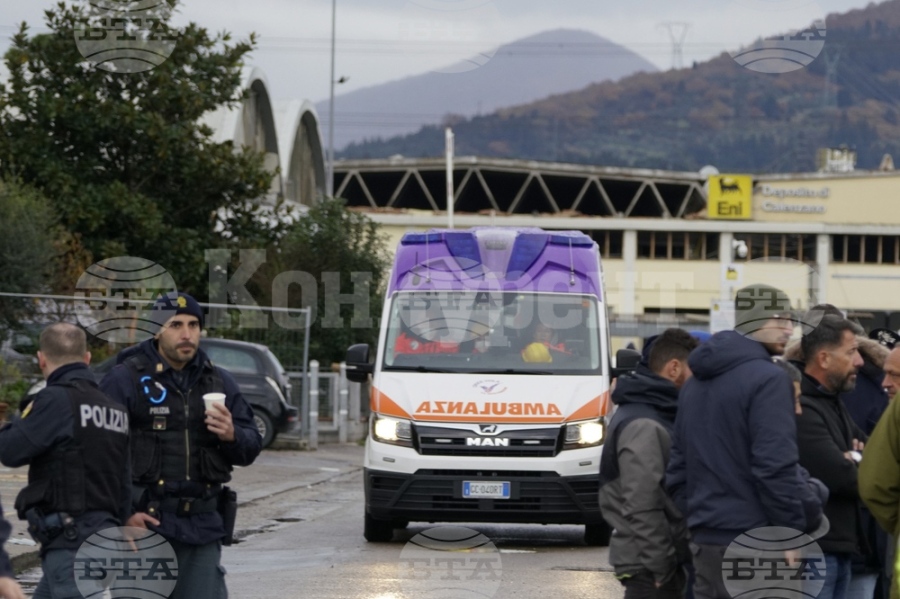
[227,321]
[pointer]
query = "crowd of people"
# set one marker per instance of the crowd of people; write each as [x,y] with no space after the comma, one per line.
[712,437]
[751,430]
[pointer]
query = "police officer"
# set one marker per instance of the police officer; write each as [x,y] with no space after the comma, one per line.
[182,453]
[75,441]
[9,588]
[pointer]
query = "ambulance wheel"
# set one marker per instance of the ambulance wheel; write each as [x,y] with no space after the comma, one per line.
[597,535]
[378,531]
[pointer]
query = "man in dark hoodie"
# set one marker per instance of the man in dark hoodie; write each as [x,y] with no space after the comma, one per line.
[733,464]
[830,441]
[182,452]
[649,544]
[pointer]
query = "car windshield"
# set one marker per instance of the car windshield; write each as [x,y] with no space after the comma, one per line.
[493,332]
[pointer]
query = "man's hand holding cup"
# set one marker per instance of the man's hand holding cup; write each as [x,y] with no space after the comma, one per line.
[218,418]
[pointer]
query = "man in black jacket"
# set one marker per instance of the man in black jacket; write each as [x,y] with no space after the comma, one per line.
[649,544]
[830,442]
[75,441]
[182,452]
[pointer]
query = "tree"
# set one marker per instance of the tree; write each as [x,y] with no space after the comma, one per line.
[331,242]
[123,157]
[27,252]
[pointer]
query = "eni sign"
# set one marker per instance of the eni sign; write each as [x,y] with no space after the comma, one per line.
[730,197]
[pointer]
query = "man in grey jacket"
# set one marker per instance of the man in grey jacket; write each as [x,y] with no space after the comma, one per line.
[649,544]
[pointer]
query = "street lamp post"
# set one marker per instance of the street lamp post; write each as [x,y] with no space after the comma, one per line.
[329,171]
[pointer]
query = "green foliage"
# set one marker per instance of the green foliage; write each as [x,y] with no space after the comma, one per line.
[13,386]
[123,158]
[328,239]
[27,228]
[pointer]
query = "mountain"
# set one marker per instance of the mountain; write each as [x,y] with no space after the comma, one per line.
[717,112]
[523,71]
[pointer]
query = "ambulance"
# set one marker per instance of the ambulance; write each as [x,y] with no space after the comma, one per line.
[490,382]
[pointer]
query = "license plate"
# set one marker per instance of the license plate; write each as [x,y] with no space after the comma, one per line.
[492,490]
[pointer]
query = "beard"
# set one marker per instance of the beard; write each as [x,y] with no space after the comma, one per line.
[842,384]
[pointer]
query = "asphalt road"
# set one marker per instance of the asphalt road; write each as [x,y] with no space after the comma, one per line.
[300,535]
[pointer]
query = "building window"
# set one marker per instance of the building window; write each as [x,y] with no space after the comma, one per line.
[610,243]
[677,245]
[865,249]
[764,246]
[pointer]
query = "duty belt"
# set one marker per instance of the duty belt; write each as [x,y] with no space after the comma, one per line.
[185,506]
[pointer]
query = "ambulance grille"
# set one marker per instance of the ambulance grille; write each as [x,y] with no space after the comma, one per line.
[534,443]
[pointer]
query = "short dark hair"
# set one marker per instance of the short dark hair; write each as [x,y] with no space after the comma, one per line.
[790,369]
[63,343]
[672,344]
[828,334]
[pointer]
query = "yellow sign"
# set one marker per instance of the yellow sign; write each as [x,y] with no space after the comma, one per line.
[730,197]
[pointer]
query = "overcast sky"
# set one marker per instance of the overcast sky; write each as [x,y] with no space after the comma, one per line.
[384,40]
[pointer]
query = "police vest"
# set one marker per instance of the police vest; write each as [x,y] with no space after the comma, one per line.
[87,474]
[169,438]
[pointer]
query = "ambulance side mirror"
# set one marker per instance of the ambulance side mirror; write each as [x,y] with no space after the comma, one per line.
[626,361]
[358,366]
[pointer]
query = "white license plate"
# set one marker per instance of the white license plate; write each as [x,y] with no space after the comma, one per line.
[478,489]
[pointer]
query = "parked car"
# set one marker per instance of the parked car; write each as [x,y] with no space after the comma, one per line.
[262,380]
[257,371]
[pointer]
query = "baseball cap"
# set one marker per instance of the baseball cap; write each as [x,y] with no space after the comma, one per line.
[173,304]
[754,305]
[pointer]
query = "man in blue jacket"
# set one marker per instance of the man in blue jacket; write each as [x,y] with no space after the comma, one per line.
[182,452]
[734,458]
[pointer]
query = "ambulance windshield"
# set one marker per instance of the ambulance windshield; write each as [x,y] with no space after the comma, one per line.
[497,332]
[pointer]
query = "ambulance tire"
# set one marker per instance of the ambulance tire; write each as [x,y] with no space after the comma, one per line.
[597,535]
[378,531]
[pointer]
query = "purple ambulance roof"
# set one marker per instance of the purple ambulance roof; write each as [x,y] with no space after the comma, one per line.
[497,258]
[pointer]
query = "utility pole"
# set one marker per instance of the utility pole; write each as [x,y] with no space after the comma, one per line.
[329,170]
[832,57]
[677,33]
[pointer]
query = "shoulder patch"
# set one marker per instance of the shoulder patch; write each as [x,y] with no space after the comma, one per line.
[27,410]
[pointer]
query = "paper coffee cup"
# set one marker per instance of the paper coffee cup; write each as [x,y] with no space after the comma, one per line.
[211,398]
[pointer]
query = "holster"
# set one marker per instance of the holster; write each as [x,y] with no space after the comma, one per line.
[228,510]
[44,529]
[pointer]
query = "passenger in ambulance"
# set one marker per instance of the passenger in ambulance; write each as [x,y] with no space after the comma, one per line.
[409,343]
[544,346]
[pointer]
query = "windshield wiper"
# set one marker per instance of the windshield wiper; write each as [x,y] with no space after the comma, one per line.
[514,371]
[417,369]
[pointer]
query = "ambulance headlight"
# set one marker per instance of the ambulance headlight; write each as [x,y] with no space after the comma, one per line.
[392,430]
[585,434]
